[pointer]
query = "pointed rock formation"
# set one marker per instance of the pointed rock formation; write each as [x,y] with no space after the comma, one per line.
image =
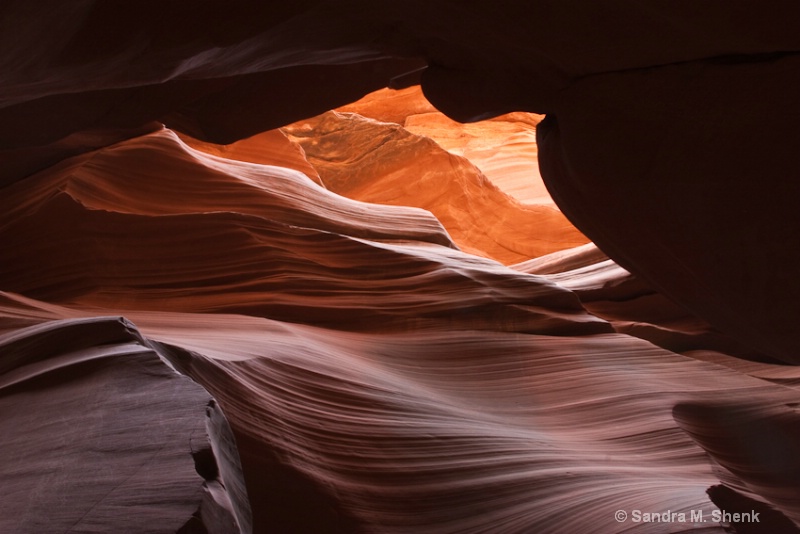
[384,163]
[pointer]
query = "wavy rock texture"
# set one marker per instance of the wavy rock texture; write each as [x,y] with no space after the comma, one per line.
[619,83]
[358,366]
[503,148]
[371,371]
[609,291]
[267,148]
[478,215]
[170,202]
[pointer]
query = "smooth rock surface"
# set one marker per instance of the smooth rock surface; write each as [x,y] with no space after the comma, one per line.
[377,373]
[99,432]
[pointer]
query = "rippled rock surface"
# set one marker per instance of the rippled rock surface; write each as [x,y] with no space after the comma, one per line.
[369,369]
[226,308]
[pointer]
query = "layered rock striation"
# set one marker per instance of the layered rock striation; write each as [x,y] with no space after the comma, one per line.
[221,311]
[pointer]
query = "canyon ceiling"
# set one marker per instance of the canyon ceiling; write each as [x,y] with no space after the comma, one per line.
[291,267]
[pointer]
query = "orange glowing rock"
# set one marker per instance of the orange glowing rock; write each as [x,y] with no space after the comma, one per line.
[503,148]
[385,163]
[379,370]
[480,180]
[267,148]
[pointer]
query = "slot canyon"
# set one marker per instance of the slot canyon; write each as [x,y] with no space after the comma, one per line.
[443,267]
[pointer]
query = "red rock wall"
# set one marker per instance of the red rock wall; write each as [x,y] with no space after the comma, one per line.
[358,365]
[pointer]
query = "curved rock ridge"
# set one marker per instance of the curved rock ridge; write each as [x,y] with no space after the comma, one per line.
[153,224]
[632,306]
[619,78]
[368,160]
[503,148]
[461,431]
[266,148]
[445,393]
[391,105]
[99,432]
[158,174]
[378,375]
[429,390]
[706,215]
[758,444]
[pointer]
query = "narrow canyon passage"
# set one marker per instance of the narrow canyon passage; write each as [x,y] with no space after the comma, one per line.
[297,268]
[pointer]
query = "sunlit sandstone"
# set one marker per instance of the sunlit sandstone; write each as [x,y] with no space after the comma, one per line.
[201,332]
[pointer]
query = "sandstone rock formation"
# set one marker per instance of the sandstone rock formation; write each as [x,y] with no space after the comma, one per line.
[201,332]
[503,148]
[95,428]
[396,167]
